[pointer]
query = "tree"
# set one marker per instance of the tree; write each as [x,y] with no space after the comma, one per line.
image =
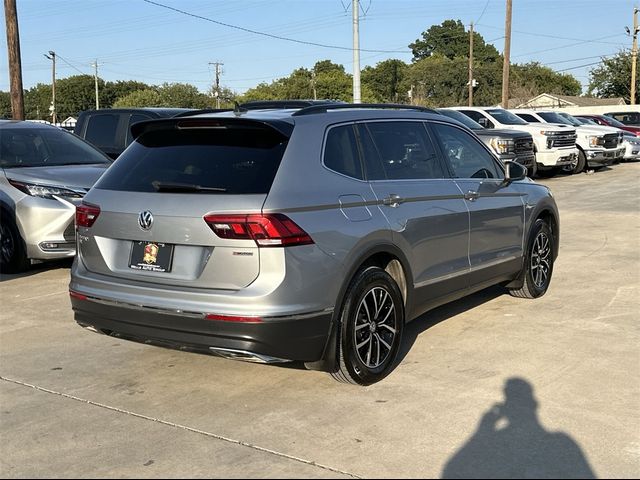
[140,98]
[37,101]
[540,79]
[612,78]
[112,91]
[5,105]
[450,39]
[385,80]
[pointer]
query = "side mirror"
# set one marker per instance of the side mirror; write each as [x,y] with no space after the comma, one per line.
[513,171]
[485,122]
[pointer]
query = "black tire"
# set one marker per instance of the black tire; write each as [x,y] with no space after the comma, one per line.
[579,166]
[369,341]
[538,262]
[13,256]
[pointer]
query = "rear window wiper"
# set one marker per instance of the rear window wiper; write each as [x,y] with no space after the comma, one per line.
[184,187]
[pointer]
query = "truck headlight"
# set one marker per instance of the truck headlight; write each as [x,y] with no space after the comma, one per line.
[594,140]
[501,146]
[45,191]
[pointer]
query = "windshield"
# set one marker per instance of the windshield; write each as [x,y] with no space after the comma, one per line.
[552,117]
[612,122]
[506,118]
[241,160]
[586,121]
[571,119]
[462,118]
[45,147]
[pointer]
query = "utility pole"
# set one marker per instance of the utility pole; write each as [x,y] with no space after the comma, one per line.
[634,54]
[471,65]
[15,64]
[356,51]
[95,77]
[216,91]
[313,84]
[507,56]
[52,57]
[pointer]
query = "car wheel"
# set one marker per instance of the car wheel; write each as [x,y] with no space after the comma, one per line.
[538,262]
[577,167]
[13,258]
[371,324]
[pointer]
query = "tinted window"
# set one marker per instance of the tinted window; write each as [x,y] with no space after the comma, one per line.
[370,156]
[462,118]
[135,118]
[233,160]
[628,118]
[468,158]
[405,150]
[505,118]
[478,117]
[341,152]
[101,129]
[553,117]
[37,147]
[528,118]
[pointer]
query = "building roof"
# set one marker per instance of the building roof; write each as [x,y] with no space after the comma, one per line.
[555,100]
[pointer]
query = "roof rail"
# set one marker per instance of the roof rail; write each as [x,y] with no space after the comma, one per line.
[345,106]
[284,104]
[203,110]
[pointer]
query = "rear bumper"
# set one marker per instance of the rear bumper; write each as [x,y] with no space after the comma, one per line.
[274,339]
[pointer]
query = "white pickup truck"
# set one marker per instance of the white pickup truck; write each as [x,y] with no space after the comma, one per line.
[555,147]
[597,146]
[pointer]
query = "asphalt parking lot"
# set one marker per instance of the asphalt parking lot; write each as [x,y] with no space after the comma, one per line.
[491,385]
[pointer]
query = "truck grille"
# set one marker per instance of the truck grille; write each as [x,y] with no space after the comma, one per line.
[563,140]
[523,145]
[610,140]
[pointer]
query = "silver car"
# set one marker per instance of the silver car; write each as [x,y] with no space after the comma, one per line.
[44,173]
[308,235]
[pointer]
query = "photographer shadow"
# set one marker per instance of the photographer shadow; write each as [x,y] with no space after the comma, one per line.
[511,443]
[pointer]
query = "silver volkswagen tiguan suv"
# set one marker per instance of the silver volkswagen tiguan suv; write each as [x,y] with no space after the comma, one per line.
[310,234]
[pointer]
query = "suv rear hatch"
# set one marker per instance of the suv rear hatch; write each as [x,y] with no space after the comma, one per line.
[144,221]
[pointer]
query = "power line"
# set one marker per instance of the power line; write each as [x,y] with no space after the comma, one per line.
[565,46]
[483,10]
[537,34]
[76,68]
[264,34]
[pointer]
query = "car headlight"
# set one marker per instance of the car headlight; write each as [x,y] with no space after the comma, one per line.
[45,191]
[548,132]
[594,140]
[501,146]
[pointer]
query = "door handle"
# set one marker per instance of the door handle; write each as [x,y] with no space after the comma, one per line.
[471,196]
[393,200]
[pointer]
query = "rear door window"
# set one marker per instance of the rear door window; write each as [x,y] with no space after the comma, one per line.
[102,129]
[404,150]
[223,160]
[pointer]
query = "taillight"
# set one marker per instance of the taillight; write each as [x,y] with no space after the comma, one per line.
[233,318]
[86,214]
[267,230]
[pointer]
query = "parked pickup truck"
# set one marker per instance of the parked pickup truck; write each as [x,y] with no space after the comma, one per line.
[514,145]
[554,146]
[597,146]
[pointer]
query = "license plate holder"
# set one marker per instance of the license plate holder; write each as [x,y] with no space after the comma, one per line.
[151,256]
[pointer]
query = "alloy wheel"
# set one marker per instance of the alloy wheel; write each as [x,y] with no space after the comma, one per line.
[541,260]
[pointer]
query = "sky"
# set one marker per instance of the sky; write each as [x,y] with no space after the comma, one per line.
[140,40]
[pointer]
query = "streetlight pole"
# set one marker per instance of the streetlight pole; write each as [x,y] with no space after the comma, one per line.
[52,57]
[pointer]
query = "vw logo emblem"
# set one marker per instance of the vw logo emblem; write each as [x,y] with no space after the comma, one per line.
[145,220]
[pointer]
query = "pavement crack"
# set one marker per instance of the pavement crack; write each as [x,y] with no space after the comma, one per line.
[182,427]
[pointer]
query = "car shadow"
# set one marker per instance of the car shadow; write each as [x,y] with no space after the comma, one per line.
[37,268]
[413,329]
[510,442]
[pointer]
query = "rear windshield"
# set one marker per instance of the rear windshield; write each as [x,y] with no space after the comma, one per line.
[234,160]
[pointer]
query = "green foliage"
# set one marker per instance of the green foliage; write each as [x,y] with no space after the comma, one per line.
[612,78]
[451,40]
[5,105]
[118,89]
[541,79]
[140,98]
[385,80]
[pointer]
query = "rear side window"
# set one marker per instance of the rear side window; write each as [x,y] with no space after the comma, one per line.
[102,129]
[227,160]
[341,152]
[467,157]
[405,150]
